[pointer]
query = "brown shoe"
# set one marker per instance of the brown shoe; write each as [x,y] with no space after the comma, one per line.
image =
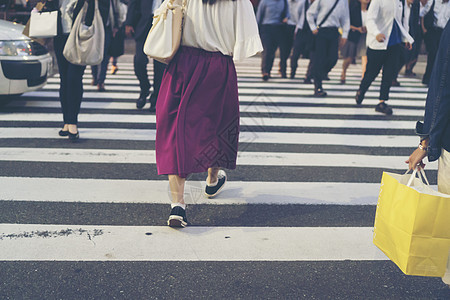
[101,87]
[114,70]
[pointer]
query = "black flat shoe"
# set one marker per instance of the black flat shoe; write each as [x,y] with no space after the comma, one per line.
[63,132]
[74,136]
[142,100]
[320,93]
[359,97]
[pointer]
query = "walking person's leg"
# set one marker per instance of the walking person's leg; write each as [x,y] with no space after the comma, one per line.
[287,40]
[140,69]
[104,64]
[375,59]
[114,67]
[320,64]
[363,65]
[215,181]
[75,96]
[63,66]
[309,70]
[332,38]
[296,52]
[94,71]
[177,216]
[269,41]
[432,44]
[345,64]
[401,61]
[158,71]
[390,68]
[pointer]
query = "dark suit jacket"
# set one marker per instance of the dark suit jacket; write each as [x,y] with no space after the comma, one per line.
[140,17]
[355,20]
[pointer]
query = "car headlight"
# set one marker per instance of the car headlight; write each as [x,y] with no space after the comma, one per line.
[21,48]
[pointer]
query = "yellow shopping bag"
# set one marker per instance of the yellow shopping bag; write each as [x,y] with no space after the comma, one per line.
[412,225]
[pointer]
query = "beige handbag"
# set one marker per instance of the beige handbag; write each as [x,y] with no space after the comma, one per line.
[164,38]
[85,44]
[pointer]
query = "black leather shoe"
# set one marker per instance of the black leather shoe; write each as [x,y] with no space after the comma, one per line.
[359,97]
[395,83]
[101,87]
[320,93]
[63,132]
[307,80]
[140,102]
[74,136]
[382,107]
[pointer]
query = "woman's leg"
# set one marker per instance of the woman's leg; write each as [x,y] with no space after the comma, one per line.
[363,65]
[212,175]
[177,216]
[176,184]
[75,95]
[345,64]
[63,65]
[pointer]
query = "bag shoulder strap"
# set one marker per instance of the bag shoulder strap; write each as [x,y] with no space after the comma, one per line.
[328,14]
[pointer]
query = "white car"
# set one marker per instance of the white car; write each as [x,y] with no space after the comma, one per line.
[25,64]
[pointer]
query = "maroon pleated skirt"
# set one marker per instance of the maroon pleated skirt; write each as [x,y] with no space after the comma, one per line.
[197,114]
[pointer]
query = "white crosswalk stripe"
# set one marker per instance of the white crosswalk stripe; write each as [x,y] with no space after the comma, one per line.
[283,127]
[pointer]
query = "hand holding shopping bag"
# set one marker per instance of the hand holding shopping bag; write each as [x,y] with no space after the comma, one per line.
[412,224]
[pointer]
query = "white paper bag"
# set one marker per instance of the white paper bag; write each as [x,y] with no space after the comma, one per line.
[43,24]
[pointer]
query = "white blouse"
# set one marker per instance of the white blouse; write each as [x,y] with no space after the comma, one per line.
[227,26]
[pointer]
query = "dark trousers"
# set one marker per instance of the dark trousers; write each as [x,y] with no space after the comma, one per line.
[299,48]
[71,83]
[326,53]
[158,69]
[431,39]
[99,77]
[286,46]
[271,37]
[413,55]
[140,69]
[140,66]
[377,59]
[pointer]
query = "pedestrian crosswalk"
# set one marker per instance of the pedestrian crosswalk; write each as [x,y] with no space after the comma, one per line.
[305,189]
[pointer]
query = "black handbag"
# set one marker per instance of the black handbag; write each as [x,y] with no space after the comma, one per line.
[117,46]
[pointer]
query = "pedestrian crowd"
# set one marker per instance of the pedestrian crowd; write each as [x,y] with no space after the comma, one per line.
[195,96]
[384,34]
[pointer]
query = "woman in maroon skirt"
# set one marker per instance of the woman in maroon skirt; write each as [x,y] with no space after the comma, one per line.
[197,113]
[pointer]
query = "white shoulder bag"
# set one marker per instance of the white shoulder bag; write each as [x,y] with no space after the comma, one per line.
[164,38]
[85,44]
